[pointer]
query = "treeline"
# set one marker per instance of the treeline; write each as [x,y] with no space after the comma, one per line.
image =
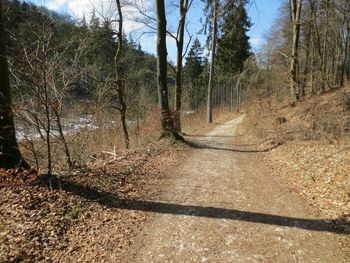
[309,48]
[88,46]
[61,70]
[83,52]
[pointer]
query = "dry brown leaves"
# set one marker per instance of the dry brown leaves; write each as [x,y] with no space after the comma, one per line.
[17,177]
[85,220]
[319,170]
[33,222]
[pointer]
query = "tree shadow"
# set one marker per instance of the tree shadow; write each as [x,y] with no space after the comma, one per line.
[205,146]
[111,200]
[211,136]
[226,123]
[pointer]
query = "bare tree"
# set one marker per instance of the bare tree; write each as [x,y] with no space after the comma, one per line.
[212,62]
[46,72]
[295,11]
[167,121]
[179,38]
[119,65]
[184,6]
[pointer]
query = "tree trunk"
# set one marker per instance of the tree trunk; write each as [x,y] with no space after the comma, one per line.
[63,139]
[48,122]
[120,75]
[312,71]
[306,68]
[166,119]
[212,64]
[10,156]
[295,9]
[346,70]
[179,67]
[324,82]
[316,40]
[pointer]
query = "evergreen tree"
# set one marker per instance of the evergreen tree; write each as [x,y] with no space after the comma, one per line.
[195,75]
[194,62]
[233,44]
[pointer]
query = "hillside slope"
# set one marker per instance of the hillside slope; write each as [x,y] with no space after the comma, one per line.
[314,152]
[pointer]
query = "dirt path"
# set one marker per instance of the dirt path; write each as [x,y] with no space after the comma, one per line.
[223,205]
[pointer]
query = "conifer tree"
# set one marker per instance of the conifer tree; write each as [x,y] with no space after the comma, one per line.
[233,44]
[193,71]
[194,62]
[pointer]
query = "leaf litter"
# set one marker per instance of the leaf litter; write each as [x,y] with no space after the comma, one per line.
[83,215]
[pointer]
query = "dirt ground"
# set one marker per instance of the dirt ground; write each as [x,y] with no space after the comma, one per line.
[214,200]
[222,204]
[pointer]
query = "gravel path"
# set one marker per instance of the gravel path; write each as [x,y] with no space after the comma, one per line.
[223,205]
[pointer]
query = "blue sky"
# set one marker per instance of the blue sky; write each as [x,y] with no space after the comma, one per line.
[262,14]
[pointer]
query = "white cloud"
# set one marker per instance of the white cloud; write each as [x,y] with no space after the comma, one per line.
[56,4]
[104,9]
[257,43]
[134,22]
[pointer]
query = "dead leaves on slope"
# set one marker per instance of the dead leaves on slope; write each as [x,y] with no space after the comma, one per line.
[85,220]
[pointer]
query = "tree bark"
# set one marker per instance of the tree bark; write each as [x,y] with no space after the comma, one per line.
[346,67]
[324,82]
[179,66]
[307,64]
[295,9]
[316,40]
[120,75]
[212,64]
[166,119]
[10,156]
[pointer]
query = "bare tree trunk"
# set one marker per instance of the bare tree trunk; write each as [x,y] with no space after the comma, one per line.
[184,4]
[48,123]
[212,65]
[10,156]
[343,49]
[346,67]
[166,120]
[295,10]
[63,139]
[306,68]
[316,40]
[312,72]
[338,79]
[324,52]
[120,75]
[231,95]
[238,95]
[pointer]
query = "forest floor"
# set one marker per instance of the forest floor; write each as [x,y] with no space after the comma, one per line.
[212,200]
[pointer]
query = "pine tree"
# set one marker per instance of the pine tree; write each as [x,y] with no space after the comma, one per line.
[194,62]
[233,44]
[193,71]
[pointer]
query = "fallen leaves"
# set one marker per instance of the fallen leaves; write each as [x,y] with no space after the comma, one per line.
[314,163]
[18,177]
[320,171]
[84,220]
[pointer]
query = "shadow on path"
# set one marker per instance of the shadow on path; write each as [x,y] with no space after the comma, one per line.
[211,136]
[111,200]
[206,146]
